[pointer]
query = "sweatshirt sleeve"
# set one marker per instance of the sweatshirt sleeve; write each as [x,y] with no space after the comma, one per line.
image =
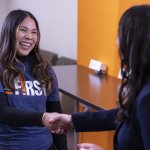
[54,94]
[15,117]
[101,120]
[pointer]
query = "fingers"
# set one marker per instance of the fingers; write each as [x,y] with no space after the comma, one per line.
[61,121]
[59,131]
[58,128]
[85,145]
[89,146]
[57,123]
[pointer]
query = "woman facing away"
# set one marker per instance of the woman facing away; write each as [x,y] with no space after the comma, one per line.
[131,119]
[28,88]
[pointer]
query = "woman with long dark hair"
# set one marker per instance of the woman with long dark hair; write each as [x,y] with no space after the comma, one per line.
[28,88]
[131,119]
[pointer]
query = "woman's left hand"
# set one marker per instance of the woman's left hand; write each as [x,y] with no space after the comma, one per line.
[89,146]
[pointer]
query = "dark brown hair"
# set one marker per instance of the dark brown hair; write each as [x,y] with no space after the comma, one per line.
[134,49]
[8,52]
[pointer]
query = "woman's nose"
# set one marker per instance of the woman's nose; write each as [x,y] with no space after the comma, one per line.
[28,35]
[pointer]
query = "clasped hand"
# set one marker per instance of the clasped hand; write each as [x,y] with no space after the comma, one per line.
[60,123]
[57,123]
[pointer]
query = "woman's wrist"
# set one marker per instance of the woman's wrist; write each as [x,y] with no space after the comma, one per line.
[43,118]
[69,120]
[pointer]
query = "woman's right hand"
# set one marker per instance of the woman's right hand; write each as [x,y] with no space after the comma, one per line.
[57,123]
[89,146]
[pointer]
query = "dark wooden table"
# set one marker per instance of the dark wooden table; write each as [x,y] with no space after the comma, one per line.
[85,86]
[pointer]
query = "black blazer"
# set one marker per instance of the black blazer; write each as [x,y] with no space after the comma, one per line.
[133,134]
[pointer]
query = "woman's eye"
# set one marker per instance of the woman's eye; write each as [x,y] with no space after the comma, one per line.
[34,32]
[23,30]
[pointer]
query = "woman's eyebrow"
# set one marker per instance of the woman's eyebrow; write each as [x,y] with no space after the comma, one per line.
[26,27]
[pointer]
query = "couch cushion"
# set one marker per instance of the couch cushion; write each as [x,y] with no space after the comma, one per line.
[51,57]
[66,61]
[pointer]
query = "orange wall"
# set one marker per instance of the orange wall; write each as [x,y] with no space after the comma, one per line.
[97,26]
[97,34]
[97,31]
[124,4]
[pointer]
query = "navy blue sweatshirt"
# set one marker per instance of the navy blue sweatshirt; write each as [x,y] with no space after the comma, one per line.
[21,113]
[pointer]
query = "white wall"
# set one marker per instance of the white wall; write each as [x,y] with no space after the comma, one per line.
[58,23]
[3,11]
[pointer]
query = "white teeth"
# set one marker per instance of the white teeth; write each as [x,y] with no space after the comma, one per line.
[25,44]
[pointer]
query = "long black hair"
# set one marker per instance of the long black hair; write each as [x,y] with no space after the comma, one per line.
[8,52]
[134,49]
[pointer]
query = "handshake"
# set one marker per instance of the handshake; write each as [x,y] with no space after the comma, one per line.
[60,123]
[57,123]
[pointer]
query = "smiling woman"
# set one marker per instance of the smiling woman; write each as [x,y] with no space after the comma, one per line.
[26,37]
[28,88]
